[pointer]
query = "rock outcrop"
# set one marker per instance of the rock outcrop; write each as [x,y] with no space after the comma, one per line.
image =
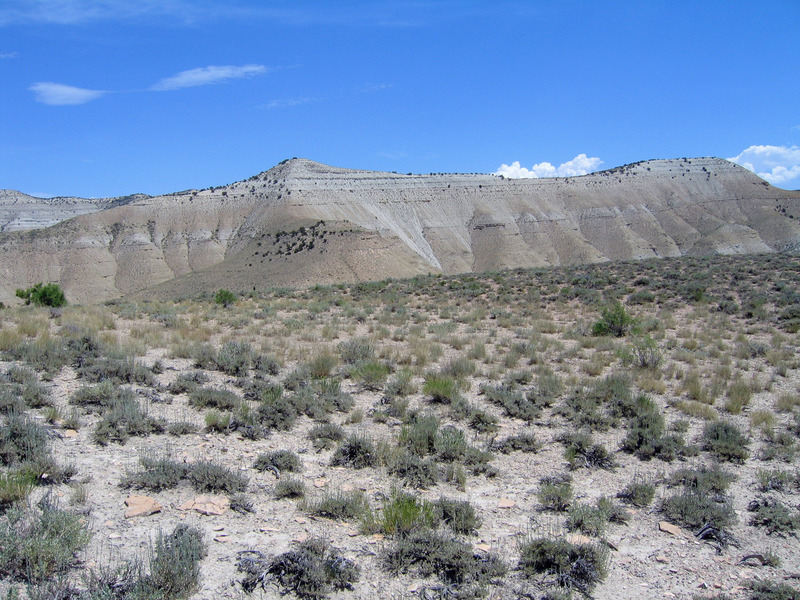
[302,222]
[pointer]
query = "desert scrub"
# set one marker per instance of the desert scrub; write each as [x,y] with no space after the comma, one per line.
[188,382]
[289,487]
[401,513]
[14,487]
[234,358]
[357,451]
[459,515]
[512,401]
[280,460]
[370,374]
[211,397]
[325,436]
[614,320]
[725,442]
[338,505]
[39,543]
[639,492]
[769,480]
[124,417]
[312,571]
[521,442]
[424,552]
[414,470]
[694,509]
[581,451]
[774,516]
[711,480]
[574,566]
[441,388]
[555,492]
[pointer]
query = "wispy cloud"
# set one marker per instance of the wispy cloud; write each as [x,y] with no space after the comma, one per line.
[287,102]
[580,165]
[8,54]
[58,94]
[207,76]
[383,13]
[780,165]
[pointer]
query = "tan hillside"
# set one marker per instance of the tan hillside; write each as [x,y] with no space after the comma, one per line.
[302,222]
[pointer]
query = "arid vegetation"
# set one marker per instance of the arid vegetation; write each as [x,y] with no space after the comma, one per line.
[615,431]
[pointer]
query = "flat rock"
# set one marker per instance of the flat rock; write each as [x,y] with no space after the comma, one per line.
[506,503]
[668,527]
[141,506]
[207,505]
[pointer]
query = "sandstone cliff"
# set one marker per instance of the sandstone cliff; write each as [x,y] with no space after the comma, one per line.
[302,222]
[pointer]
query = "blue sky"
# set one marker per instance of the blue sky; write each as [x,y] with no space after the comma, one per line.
[111,97]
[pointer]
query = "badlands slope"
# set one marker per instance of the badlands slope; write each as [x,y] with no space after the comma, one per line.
[302,222]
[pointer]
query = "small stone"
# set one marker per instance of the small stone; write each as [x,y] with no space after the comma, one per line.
[268,529]
[223,537]
[321,482]
[70,433]
[352,532]
[301,537]
[506,503]
[661,558]
[114,536]
[347,488]
[483,547]
[301,520]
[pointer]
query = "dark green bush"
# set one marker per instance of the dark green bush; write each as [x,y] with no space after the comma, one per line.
[209,397]
[459,515]
[357,451]
[693,509]
[639,492]
[425,553]
[206,476]
[312,571]
[414,470]
[225,298]
[290,487]
[234,358]
[42,294]
[155,474]
[282,460]
[338,505]
[523,442]
[574,566]
[726,442]
[614,320]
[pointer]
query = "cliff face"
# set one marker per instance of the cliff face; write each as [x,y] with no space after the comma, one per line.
[302,222]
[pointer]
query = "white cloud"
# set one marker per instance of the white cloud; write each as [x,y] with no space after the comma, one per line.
[207,75]
[287,102]
[779,165]
[8,54]
[58,94]
[580,165]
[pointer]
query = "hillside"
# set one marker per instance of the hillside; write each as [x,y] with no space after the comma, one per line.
[302,223]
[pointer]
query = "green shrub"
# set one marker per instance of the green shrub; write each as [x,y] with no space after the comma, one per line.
[401,514]
[574,566]
[769,480]
[357,451]
[725,441]
[175,563]
[773,515]
[425,553]
[290,487]
[512,401]
[555,492]
[338,505]
[441,388]
[225,298]
[419,436]
[638,493]
[41,294]
[36,544]
[277,413]
[450,444]
[614,320]
[282,460]
[155,474]
[312,571]
[124,417]
[371,374]
[217,422]
[580,451]
[459,515]
[14,487]
[414,470]
[770,590]
[188,382]
[234,358]
[325,436]
[209,397]
[522,442]
[586,518]
[206,476]
[694,509]
[711,480]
